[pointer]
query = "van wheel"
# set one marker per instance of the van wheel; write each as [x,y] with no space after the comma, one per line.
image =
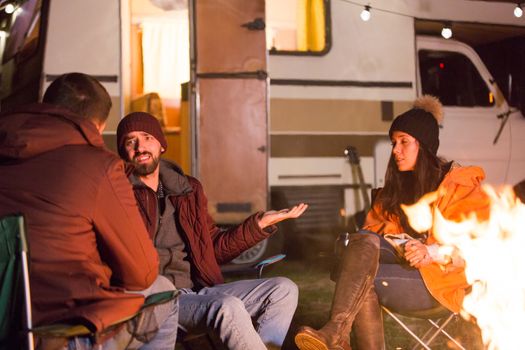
[263,249]
[253,254]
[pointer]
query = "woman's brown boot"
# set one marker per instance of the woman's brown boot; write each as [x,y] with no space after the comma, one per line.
[367,329]
[358,270]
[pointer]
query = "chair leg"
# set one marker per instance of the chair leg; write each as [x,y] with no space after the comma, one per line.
[428,334]
[433,332]
[27,300]
[445,333]
[409,331]
[440,328]
[30,341]
[425,340]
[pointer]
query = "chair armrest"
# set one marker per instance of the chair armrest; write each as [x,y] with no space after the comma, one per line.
[160,298]
[61,330]
[268,261]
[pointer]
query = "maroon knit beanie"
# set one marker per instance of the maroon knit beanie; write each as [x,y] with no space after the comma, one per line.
[139,121]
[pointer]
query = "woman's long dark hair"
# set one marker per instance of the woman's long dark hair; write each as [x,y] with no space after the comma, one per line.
[407,187]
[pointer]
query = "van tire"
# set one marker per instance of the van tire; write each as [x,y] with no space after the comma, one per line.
[266,248]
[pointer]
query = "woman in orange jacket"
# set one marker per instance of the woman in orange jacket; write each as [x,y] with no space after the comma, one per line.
[418,276]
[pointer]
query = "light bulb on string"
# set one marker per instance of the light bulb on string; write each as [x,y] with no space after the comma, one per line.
[365,14]
[446,32]
[518,12]
[10,8]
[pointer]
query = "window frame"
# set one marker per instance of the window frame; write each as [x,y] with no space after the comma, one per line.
[328,39]
[467,60]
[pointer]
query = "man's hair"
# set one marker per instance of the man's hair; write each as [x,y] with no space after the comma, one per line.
[81,94]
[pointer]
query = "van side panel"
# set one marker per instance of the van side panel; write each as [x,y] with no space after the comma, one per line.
[85,36]
[366,55]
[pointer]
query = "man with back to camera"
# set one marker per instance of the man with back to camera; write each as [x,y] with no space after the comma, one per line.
[191,247]
[88,243]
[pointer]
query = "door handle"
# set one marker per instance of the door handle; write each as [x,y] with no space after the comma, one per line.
[262,149]
[256,24]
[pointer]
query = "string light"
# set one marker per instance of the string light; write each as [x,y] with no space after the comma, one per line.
[9,8]
[365,14]
[518,12]
[368,7]
[446,32]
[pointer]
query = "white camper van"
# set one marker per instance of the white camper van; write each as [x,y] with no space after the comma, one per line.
[348,92]
[279,88]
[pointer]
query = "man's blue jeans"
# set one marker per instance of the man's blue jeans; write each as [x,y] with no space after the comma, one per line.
[248,314]
[165,314]
[399,286]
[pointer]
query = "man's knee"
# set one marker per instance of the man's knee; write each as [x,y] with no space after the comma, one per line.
[286,288]
[161,284]
[227,305]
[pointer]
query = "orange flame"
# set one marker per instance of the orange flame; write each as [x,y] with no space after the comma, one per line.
[494,254]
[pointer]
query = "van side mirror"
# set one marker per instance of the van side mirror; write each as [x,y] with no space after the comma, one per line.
[508,95]
[515,95]
[505,115]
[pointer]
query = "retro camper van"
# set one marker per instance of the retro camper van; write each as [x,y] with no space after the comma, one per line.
[346,91]
[274,91]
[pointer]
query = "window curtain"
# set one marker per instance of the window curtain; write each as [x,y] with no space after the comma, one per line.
[311,34]
[165,54]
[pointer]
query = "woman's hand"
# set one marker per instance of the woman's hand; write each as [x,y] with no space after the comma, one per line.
[416,253]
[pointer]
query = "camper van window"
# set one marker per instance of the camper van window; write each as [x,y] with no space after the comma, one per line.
[298,27]
[23,28]
[21,52]
[453,78]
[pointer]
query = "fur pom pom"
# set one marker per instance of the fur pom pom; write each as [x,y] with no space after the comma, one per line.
[431,105]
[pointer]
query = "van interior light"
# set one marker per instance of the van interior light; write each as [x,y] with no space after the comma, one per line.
[9,8]
[518,12]
[365,14]
[446,32]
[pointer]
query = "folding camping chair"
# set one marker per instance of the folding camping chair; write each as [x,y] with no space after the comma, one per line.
[15,301]
[438,318]
[16,325]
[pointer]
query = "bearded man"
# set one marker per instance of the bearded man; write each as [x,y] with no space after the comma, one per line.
[191,247]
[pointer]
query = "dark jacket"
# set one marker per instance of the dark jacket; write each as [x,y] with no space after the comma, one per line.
[207,245]
[87,240]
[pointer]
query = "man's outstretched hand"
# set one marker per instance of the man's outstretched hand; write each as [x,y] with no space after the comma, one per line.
[272,217]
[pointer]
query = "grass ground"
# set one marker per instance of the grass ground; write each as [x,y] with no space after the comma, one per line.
[315,296]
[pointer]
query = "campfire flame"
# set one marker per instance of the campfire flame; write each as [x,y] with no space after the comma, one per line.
[494,254]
